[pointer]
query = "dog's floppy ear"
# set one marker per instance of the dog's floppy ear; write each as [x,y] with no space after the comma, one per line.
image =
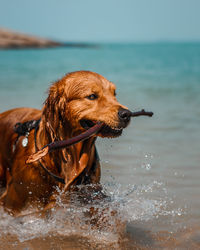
[55,105]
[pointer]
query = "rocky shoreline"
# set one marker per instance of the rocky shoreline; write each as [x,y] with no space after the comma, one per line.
[14,40]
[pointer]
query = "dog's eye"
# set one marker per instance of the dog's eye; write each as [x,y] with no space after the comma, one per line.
[115,93]
[92,97]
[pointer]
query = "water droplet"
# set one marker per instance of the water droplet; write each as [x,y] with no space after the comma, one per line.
[148,166]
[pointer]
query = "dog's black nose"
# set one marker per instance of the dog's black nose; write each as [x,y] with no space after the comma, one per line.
[124,115]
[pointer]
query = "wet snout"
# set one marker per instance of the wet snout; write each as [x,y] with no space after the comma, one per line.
[124,116]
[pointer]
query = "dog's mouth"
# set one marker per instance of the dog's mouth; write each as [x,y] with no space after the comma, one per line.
[106,130]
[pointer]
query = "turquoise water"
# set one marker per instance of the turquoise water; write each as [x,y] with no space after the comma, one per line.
[158,157]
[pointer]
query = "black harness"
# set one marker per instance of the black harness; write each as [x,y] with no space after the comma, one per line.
[22,129]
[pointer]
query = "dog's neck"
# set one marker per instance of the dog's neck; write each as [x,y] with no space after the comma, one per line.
[68,163]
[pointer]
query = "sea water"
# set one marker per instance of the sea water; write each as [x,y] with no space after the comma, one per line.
[152,171]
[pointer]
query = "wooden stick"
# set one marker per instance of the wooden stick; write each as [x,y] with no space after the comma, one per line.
[65,143]
[140,113]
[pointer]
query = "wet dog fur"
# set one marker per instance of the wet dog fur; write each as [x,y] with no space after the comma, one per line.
[74,103]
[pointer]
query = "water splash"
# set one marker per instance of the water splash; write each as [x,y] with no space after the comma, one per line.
[100,214]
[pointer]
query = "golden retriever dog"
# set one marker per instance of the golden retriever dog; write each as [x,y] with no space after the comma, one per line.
[74,104]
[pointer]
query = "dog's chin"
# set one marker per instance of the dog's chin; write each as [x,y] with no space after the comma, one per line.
[106,130]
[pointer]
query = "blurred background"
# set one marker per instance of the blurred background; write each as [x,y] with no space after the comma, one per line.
[151,50]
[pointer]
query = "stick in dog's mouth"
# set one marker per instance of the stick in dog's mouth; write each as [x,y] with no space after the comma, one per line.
[83,136]
[65,143]
[141,113]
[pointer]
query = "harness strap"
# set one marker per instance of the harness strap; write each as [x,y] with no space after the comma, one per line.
[23,129]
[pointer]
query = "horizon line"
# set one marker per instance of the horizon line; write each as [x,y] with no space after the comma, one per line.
[108,41]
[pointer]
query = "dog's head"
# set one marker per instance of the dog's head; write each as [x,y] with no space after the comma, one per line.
[81,99]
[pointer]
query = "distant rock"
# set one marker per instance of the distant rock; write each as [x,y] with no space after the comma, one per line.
[14,40]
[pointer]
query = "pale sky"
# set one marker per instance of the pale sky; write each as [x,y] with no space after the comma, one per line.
[104,20]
